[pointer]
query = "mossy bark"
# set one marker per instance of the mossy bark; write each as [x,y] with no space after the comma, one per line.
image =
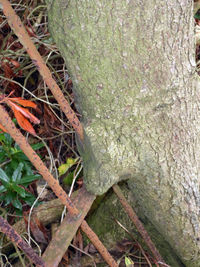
[133,70]
[106,220]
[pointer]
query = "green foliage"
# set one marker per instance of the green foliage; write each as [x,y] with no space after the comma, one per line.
[129,262]
[68,179]
[63,168]
[197,15]
[16,173]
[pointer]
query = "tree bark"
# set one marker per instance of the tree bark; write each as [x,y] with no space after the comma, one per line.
[133,70]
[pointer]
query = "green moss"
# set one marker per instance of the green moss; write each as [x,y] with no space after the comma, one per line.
[104,223]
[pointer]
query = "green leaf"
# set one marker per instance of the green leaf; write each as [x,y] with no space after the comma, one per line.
[28,179]
[9,170]
[17,150]
[18,212]
[2,189]
[2,155]
[20,156]
[29,199]
[2,137]
[128,262]
[14,163]
[65,167]
[8,139]
[14,150]
[37,146]
[21,191]
[197,15]
[17,173]
[3,176]
[68,179]
[8,197]
[17,204]
[28,168]
[6,185]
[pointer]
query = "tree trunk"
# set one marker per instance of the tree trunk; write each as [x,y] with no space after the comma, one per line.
[133,68]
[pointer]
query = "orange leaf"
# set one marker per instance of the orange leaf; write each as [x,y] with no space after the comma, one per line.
[23,102]
[26,113]
[23,122]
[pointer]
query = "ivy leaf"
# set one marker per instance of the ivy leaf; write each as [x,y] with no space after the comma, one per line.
[68,179]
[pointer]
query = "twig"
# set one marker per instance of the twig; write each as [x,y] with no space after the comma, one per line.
[14,237]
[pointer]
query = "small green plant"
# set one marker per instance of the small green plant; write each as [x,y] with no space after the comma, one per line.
[16,173]
[64,168]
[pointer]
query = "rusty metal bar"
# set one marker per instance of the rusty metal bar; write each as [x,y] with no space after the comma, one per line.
[133,216]
[6,121]
[97,243]
[17,25]
[14,237]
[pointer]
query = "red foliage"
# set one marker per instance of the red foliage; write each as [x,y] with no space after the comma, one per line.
[21,114]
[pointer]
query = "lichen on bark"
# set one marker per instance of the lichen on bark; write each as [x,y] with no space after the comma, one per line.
[133,70]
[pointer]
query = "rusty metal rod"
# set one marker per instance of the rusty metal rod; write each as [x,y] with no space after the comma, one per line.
[97,243]
[133,216]
[6,121]
[7,229]
[9,125]
[17,25]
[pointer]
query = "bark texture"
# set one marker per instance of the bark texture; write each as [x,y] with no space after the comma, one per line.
[104,222]
[133,69]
